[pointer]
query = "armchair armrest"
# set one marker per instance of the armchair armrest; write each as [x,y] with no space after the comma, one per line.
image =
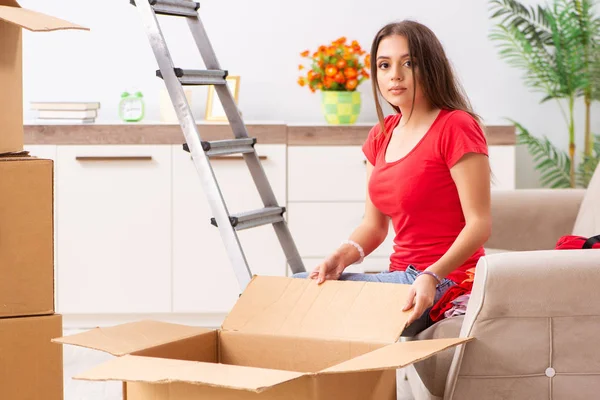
[534,316]
[532,219]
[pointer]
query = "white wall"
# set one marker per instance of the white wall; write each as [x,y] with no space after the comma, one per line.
[261,41]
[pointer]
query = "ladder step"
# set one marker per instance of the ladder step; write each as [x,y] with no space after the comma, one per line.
[178,8]
[198,76]
[232,146]
[251,219]
[226,147]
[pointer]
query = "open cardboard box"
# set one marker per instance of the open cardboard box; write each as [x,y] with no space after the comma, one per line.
[12,19]
[285,338]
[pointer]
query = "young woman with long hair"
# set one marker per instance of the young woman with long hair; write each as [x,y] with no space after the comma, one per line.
[427,172]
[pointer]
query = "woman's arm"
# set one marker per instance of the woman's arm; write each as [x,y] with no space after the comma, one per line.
[472,178]
[371,232]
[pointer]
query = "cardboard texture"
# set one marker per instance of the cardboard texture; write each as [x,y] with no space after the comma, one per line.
[26,237]
[285,338]
[31,366]
[13,19]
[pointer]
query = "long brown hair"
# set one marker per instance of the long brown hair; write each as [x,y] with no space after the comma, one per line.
[439,84]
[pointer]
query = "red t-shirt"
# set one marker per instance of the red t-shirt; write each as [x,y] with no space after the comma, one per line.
[417,191]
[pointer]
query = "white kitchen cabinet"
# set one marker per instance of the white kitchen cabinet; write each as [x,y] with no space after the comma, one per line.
[113,229]
[133,232]
[203,278]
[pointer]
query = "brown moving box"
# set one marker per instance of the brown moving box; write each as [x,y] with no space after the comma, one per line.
[285,338]
[26,237]
[31,366]
[12,19]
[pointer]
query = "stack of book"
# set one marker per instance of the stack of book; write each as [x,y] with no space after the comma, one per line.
[67,111]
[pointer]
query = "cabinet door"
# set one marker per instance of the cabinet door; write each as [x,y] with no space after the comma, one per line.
[502,163]
[203,278]
[319,228]
[313,169]
[114,229]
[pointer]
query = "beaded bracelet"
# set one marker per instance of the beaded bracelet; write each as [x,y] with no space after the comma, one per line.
[358,247]
[431,274]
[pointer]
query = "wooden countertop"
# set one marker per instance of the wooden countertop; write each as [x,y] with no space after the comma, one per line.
[265,133]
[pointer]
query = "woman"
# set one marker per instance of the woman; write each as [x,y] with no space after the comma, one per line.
[427,171]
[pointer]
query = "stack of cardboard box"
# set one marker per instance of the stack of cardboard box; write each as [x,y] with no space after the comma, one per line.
[30,364]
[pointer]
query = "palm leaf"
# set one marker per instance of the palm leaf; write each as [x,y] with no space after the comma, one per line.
[520,53]
[582,12]
[553,163]
[531,21]
[569,53]
[544,42]
[588,165]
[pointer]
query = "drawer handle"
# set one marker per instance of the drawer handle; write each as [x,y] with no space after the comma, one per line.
[236,158]
[113,158]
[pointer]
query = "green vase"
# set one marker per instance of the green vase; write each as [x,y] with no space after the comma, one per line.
[340,107]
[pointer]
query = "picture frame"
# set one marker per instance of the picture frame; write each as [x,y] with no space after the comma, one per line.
[214,109]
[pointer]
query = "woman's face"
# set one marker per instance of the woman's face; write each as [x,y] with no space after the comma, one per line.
[395,72]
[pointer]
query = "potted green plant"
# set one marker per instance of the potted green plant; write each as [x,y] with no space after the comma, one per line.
[337,70]
[557,46]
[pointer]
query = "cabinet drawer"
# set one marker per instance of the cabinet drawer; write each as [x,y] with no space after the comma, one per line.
[319,228]
[203,278]
[502,162]
[114,229]
[326,173]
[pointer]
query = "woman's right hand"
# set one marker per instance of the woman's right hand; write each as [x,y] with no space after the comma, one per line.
[330,269]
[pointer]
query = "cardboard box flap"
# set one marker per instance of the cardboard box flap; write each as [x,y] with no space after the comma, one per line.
[34,21]
[160,370]
[131,337]
[398,355]
[364,311]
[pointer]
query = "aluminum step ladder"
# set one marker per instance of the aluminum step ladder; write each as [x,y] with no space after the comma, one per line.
[201,151]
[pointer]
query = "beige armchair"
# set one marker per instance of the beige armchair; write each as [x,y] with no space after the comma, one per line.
[534,312]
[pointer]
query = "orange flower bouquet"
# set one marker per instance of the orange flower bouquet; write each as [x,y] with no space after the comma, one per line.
[337,70]
[339,67]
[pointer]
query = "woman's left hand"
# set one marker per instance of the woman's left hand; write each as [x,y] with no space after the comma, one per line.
[421,295]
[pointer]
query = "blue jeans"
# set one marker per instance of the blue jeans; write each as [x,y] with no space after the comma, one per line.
[403,277]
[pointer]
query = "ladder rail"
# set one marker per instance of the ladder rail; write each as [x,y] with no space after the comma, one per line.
[239,130]
[192,136]
[174,78]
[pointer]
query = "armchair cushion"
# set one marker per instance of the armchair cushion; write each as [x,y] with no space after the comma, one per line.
[535,317]
[533,219]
